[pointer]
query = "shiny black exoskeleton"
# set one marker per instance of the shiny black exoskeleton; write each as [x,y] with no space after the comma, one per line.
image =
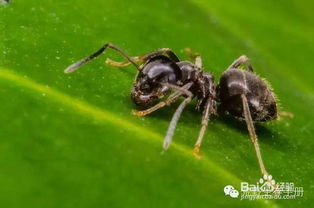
[149,87]
[240,91]
[236,82]
[233,83]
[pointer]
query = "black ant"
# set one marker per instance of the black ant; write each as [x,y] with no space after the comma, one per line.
[240,92]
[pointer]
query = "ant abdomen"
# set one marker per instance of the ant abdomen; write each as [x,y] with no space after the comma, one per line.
[261,100]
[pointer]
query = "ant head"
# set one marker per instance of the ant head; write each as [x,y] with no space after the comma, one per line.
[148,87]
[146,91]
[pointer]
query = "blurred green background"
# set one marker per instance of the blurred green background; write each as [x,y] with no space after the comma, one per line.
[71,141]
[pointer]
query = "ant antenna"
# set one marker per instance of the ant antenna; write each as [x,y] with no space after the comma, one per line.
[85,60]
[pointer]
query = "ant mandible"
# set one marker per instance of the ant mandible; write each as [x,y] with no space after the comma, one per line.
[240,91]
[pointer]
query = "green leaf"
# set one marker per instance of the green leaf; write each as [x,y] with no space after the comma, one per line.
[71,141]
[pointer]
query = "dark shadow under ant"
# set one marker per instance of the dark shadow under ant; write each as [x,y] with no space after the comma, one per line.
[240,92]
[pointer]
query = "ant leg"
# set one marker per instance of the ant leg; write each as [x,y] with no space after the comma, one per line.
[183,90]
[79,63]
[242,59]
[173,97]
[174,121]
[208,110]
[253,136]
[198,62]
[285,114]
[194,57]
